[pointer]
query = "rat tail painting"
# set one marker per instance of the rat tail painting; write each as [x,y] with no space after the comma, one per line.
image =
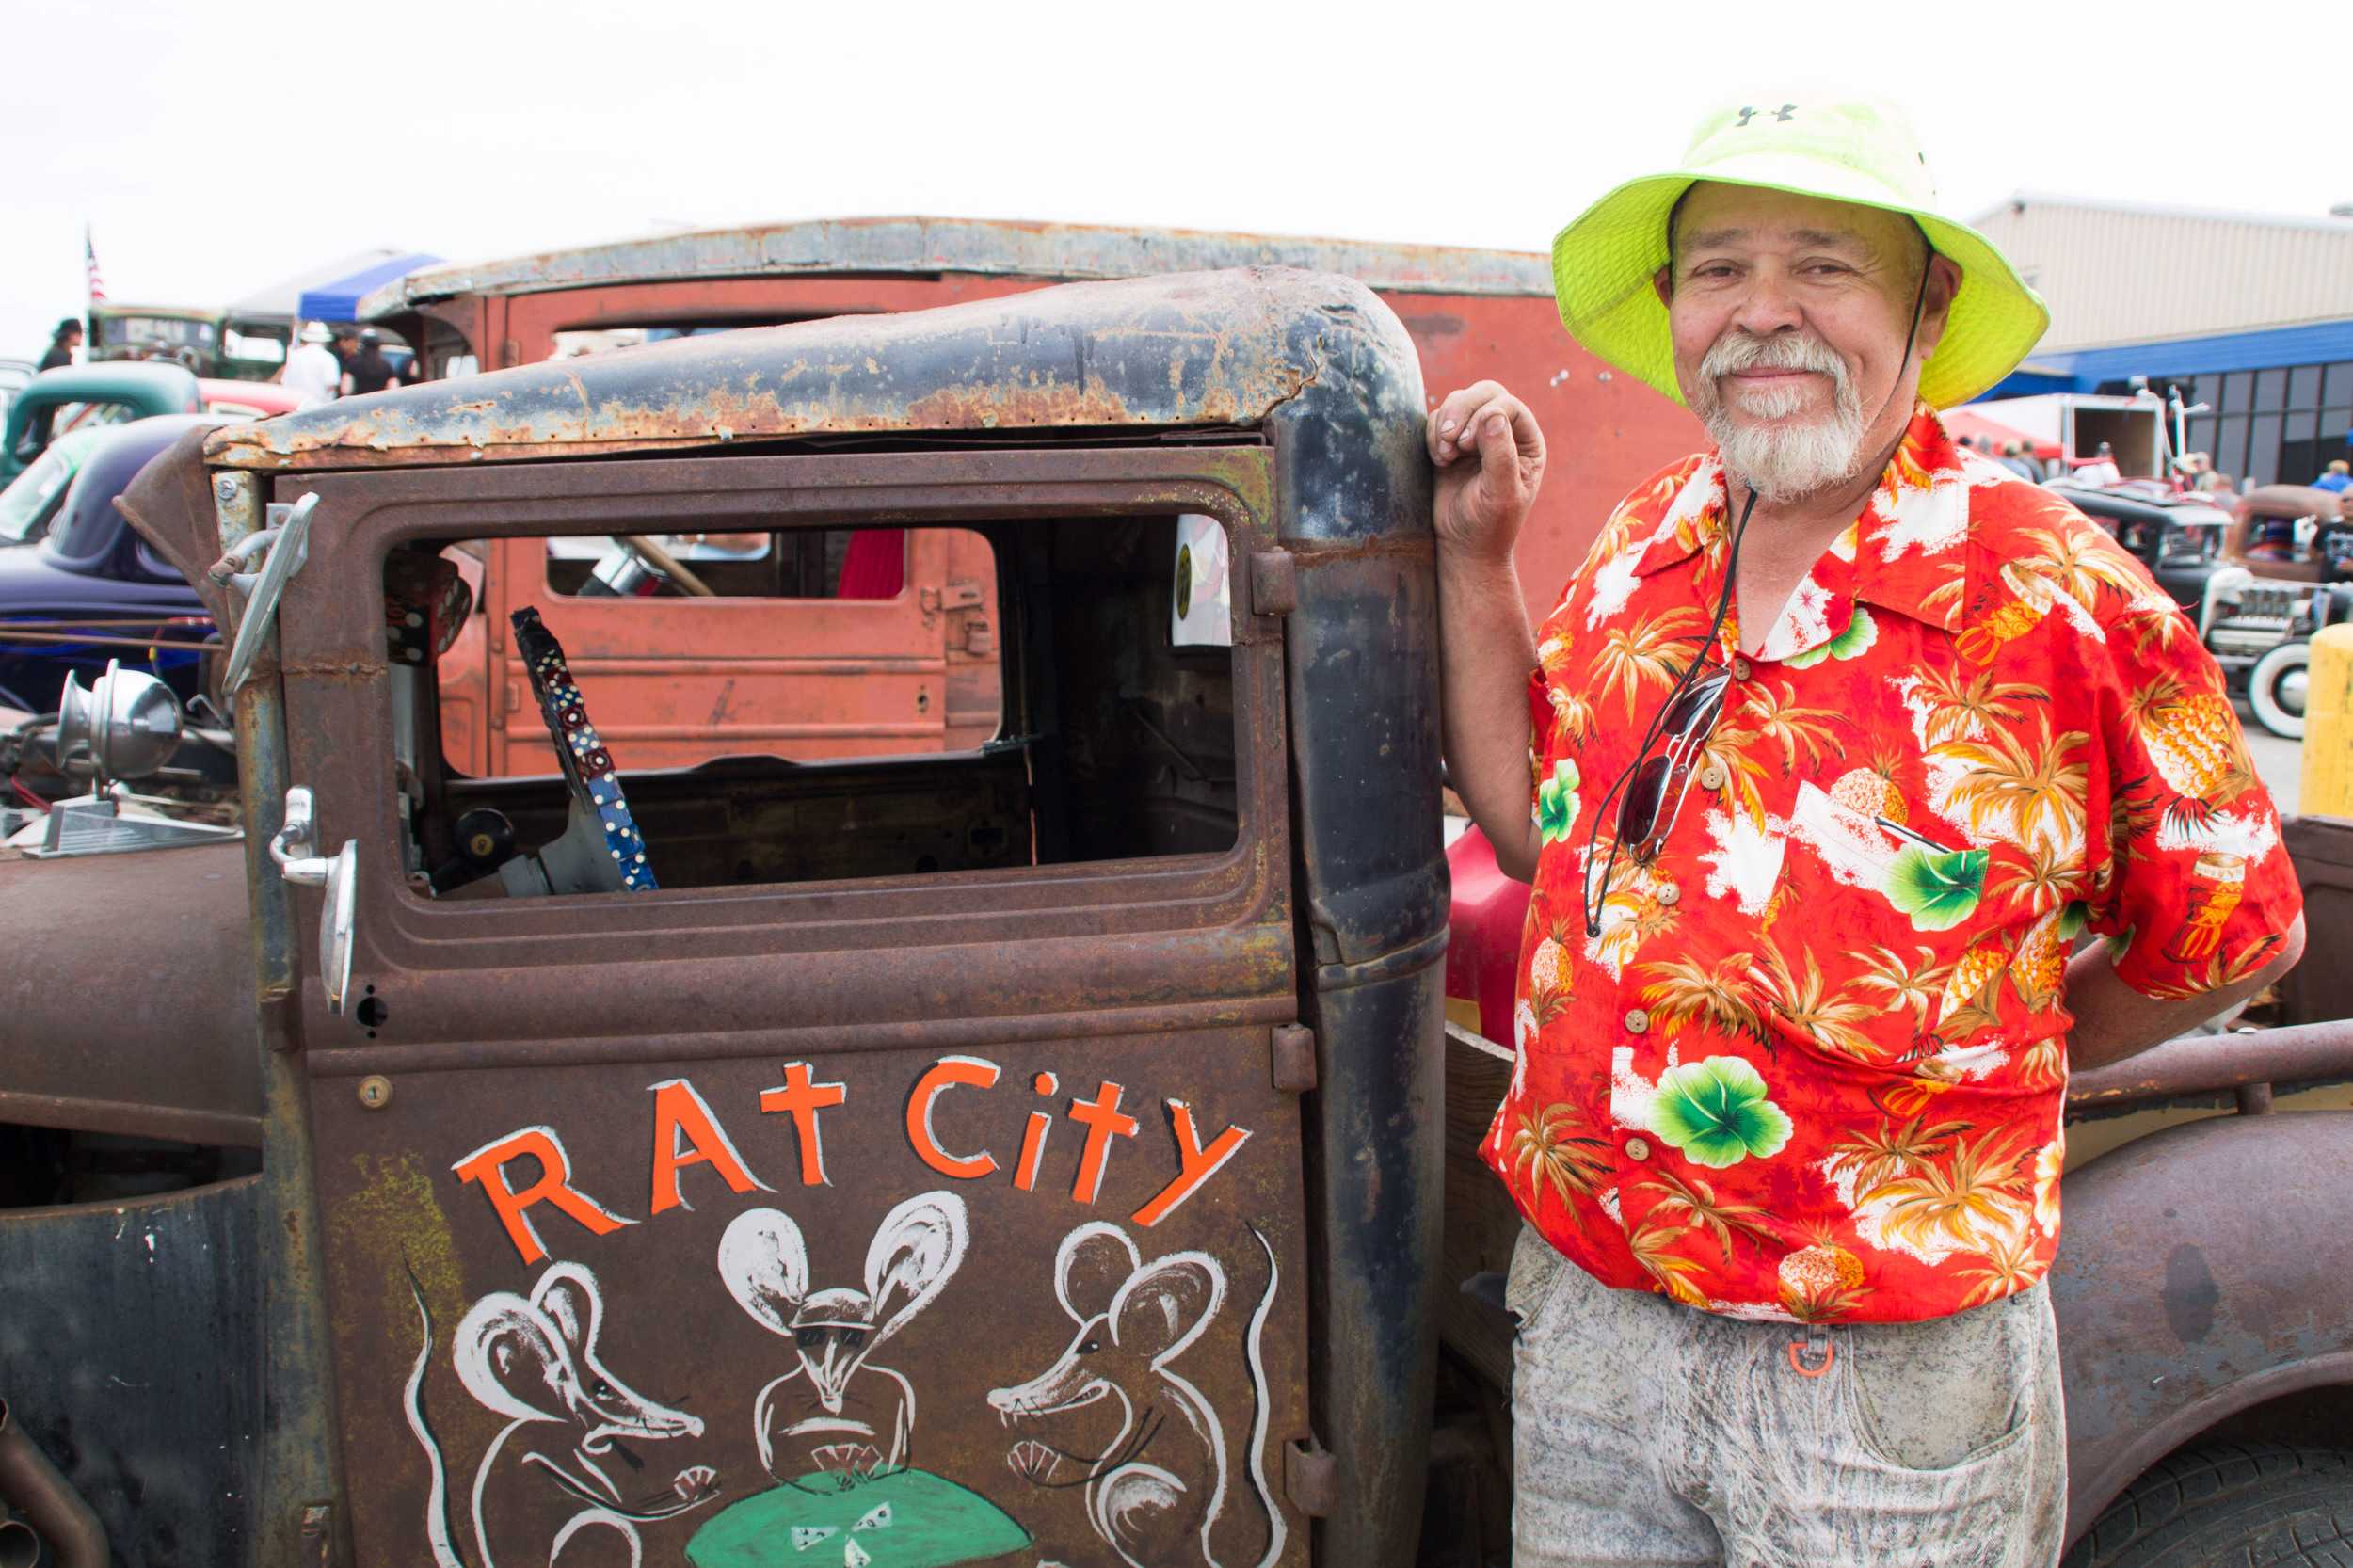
[413,1400]
[1255,1358]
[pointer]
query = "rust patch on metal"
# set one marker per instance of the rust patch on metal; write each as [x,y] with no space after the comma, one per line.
[989,407]
[1222,349]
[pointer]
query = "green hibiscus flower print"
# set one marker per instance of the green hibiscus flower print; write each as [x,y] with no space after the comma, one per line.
[1938,888]
[1715,1111]
[1556,801]
[1860,633]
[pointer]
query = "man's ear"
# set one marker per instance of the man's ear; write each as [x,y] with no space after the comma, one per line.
[1936,303]
[1664,281]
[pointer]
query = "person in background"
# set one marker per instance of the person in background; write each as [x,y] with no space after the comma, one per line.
[2015,460]
[65,345]
[368,371]
[2339,477]
[2101,470]
[313,374]
[2222,493]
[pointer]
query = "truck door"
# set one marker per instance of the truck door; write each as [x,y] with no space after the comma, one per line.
[874,1160]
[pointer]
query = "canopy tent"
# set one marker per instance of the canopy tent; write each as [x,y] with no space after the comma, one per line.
[331,291]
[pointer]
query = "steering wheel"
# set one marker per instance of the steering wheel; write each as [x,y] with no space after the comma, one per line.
[602,848]
[666,563]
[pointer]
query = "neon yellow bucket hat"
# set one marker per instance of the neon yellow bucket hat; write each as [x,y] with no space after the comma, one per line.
[1859,150]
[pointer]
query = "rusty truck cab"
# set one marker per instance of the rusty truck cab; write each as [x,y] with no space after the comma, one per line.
[1027,1148]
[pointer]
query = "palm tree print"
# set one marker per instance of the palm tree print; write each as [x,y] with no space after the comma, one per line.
[2041,880]
[1696,1201]
[2038,785]
[1555,1148]
[1690,995]
[1962,708]
[1810,1005]
[1979,1189]
[1779,718]
[1915,982]
[2008,1265]
[2080,563]
[1877,1156]
[1645,655]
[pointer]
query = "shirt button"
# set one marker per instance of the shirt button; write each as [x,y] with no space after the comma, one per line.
[1636,1022]
[1636,1148]
[1711,778]
[1670,895]
[1739,669]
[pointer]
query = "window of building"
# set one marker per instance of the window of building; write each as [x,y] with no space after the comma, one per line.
[2262,449]
[2230,447]
[2339,384]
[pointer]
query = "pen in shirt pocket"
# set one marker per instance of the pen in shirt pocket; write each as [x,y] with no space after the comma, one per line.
[1920,839]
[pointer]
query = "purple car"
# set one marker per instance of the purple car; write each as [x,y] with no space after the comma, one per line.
[70,564]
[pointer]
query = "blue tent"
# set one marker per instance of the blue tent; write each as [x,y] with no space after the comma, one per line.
[338,299]
[329,291]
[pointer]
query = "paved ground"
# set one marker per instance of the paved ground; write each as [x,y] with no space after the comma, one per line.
[2277,760]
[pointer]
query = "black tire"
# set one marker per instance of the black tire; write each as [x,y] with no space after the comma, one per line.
[2247,1505]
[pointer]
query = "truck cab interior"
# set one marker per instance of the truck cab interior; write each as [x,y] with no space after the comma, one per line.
[1117,741]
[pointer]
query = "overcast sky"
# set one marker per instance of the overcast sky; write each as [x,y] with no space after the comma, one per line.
[214,148]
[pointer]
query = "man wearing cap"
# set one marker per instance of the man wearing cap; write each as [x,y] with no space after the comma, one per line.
[1834,744]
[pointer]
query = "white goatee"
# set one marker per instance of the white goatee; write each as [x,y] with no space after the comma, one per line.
[1780,459]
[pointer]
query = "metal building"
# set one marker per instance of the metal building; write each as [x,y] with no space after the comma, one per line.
[2249,313]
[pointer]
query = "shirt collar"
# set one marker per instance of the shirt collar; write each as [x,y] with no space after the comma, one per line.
[1903,550]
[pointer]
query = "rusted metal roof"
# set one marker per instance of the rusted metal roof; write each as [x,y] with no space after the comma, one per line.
[922,246]
[1220,348]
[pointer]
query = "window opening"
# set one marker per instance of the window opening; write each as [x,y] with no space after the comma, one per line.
[1076,704]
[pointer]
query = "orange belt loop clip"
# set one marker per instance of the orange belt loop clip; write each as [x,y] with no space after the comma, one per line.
[1816,1343]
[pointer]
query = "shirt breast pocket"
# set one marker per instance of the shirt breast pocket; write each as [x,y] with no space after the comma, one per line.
[1902,900]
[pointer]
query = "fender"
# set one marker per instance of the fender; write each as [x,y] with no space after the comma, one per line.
[127,999]
[2201,1271]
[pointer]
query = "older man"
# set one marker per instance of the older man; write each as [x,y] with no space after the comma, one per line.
[1840,737]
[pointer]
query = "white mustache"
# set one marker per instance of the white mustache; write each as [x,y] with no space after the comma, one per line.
[1737,351]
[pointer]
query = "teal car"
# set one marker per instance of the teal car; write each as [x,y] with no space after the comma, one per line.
[75,398]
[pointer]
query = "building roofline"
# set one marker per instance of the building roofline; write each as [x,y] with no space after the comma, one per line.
[2323,223]
[904,245]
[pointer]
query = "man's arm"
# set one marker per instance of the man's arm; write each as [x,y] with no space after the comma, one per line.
[1490,458]
[2114,1021]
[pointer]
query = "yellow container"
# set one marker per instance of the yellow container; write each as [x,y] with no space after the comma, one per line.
[2328,781]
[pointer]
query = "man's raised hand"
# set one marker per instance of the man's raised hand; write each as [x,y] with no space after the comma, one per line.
[1490,459]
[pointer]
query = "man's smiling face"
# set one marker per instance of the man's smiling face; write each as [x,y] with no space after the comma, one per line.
[1788,317]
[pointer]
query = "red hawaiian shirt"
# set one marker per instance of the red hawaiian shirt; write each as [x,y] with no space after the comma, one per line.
[1813,1065]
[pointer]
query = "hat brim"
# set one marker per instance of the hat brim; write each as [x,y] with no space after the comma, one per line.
[1604,263]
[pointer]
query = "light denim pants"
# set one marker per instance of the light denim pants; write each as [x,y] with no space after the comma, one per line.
[1648,1433]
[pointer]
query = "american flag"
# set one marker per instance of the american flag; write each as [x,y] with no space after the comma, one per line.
[89,256]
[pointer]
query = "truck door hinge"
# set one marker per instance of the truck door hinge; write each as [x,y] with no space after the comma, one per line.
[1274,582]
[1310,1475]
[1294,1058]
[962,594]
